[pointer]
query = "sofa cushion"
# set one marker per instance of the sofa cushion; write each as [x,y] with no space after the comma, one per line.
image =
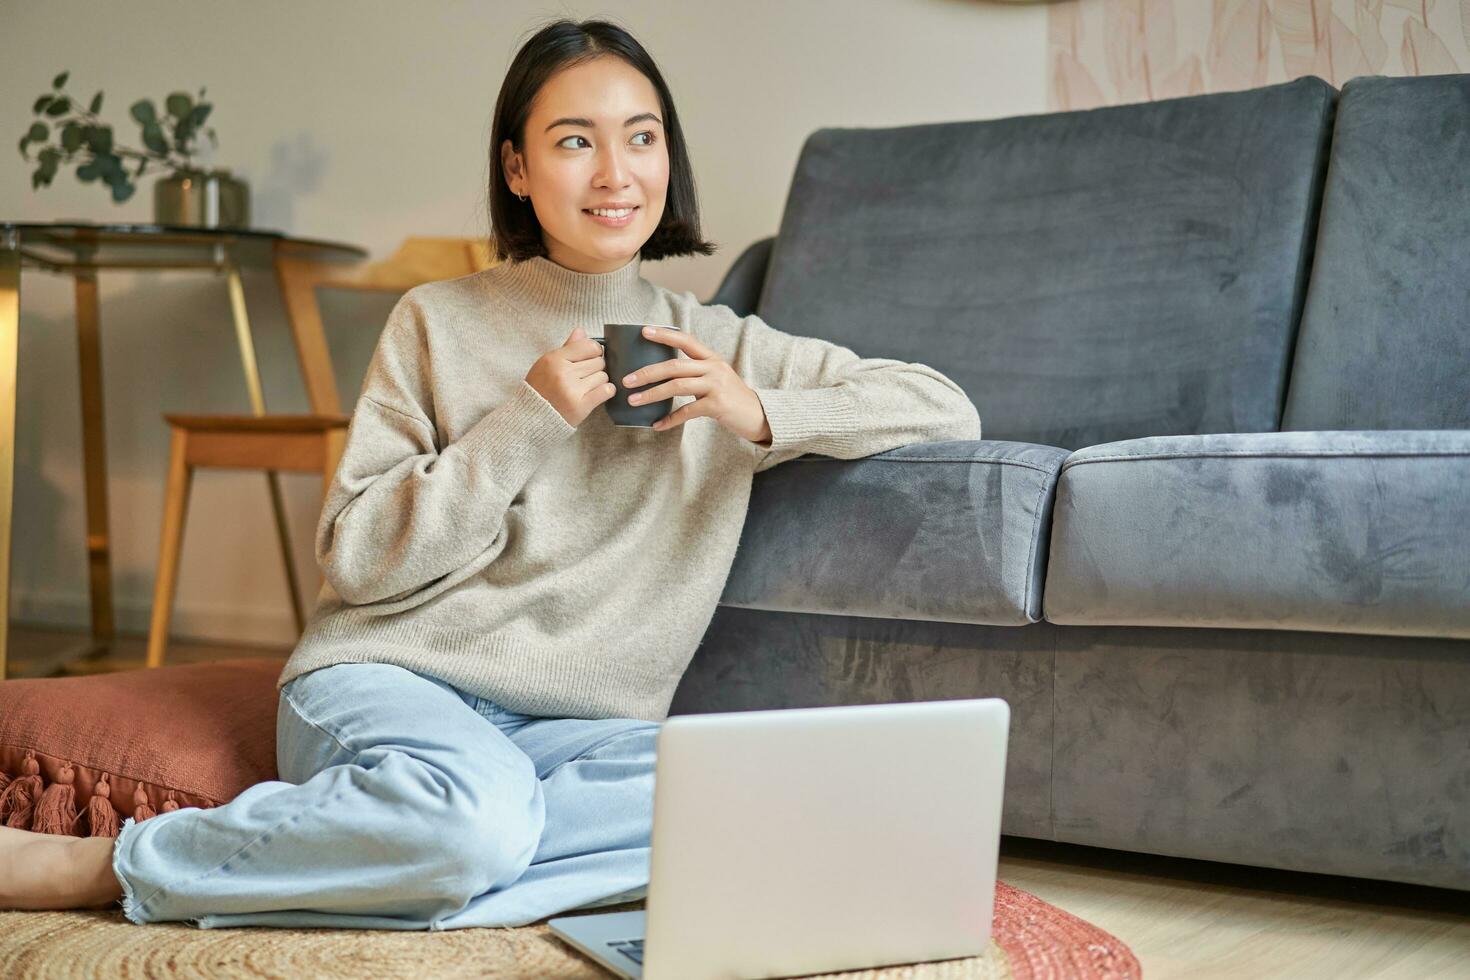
[943,531]
[1339,531]
[177,736]
[1085,276]
[1385,337]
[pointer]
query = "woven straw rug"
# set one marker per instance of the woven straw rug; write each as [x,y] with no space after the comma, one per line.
[1032,941]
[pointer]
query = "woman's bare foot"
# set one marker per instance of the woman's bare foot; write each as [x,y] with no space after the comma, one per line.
[55,871]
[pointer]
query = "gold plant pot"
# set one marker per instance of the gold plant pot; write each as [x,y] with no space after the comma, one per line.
[206,199]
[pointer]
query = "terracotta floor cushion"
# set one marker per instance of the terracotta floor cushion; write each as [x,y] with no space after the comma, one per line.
[79,754]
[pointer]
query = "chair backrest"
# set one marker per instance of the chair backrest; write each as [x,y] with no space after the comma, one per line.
[1385,337]
[417,260]
[1088,276]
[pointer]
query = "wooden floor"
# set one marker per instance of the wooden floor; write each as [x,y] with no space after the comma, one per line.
[36,652]
[1184,919]
[1203,920]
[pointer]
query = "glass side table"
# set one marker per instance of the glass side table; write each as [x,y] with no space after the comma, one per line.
[79,250]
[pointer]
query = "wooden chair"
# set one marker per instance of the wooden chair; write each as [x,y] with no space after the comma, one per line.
[299,443]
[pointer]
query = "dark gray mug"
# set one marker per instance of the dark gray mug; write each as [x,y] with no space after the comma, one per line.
[625,350]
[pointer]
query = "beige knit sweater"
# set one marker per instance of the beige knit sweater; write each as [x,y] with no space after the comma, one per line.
[473,535]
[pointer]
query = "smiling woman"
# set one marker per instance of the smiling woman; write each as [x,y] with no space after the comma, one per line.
[587,161]
[467,727]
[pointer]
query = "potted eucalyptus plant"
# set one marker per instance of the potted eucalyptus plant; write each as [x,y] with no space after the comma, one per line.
[186,194]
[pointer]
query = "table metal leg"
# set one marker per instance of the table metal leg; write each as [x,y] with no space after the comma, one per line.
[9,344]
[94,453]
[257,406]
[94,463]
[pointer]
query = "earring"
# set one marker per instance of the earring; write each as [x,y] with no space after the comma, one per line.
[522,197]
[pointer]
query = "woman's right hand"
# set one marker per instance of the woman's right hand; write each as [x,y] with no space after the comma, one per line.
[572,377]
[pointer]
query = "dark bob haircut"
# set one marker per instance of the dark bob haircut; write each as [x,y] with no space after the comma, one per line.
[514,231]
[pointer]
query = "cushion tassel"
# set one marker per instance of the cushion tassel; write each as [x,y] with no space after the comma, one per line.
[56,810]
[4,782]
[101,817]
[141,810]
[23,792]
[170,804]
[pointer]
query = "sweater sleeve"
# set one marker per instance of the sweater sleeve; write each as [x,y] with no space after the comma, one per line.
[822,398]
[402,511]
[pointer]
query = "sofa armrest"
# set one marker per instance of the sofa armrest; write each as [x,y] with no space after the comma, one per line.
[944,531]
[741,288]
[1333,531]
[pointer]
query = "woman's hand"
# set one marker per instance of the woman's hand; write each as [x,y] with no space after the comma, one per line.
[572,377]
[719,393]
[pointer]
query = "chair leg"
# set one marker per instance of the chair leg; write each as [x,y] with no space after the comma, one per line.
[175,508]
[336,443]
[284,534]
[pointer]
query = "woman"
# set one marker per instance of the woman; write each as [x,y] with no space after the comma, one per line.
[514,585]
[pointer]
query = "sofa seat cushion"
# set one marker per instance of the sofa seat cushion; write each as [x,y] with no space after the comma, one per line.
[1336,531]
[943,531]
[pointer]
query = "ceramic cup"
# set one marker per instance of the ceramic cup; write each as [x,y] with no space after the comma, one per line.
[625,350]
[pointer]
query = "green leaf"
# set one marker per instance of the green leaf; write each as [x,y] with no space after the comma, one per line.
[179,104]
[44,174]
[109,166]
[142,110]
[87,172]
[153,138]
[200,113]
[121,190]
[38,131]
[59,80]
[42,102]
[101,139]
[142,166]
[58,106]
[25,141]
[96,104]
[71,137]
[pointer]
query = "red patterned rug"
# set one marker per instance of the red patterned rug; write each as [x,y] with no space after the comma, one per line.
[1042,942]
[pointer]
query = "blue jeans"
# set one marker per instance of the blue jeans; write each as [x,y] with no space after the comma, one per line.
[405,803]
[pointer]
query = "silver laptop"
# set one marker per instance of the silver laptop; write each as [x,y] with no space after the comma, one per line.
[812,840]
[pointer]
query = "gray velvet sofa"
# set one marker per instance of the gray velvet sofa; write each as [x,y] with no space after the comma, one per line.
[1214,547]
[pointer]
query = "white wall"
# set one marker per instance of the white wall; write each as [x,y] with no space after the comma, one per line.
[364,123]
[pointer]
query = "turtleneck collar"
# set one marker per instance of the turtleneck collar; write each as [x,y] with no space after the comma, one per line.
[541,285]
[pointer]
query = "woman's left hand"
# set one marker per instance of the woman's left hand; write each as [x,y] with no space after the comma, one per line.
[719,392]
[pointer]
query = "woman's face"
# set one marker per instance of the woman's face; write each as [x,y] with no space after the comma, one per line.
[594,139]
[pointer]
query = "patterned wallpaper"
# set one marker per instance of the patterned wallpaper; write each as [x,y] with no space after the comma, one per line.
[1104,52]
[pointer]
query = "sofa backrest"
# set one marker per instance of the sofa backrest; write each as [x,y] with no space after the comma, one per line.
[1086,276]
[1385,336]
